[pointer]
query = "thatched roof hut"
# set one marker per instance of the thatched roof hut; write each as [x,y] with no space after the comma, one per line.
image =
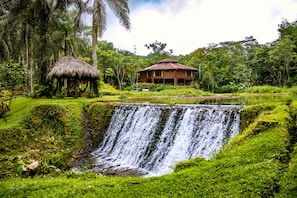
[70,67]
[70,72]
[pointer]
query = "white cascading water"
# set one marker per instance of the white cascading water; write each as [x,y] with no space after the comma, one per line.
[151,139]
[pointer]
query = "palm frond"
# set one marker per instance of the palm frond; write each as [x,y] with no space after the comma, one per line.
[82,7]
[121,10]
[99,16]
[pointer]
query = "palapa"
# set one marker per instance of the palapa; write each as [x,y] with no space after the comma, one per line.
[70,67]
[70,72]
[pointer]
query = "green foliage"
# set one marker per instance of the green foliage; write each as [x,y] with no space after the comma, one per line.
[288,182]
[169,90]
[256,163]
[4,108]
[264,89]
[45,135]
[42,91]
[194,162]
[249,114]
[48,131]
[12,76]
[93,114]
[292,90]
[107,90]
[231,88]
[182,91]
[158,51]
[47,118]
[140,86]
[34,37]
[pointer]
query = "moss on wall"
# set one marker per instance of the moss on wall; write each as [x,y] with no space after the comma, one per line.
[49,135]
[288,183]
[95,120]
[45,135]
[249,114]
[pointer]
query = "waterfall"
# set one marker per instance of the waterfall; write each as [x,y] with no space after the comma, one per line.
[151,139]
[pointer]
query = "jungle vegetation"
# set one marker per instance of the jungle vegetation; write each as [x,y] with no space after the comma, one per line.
[260,162]
[35,34]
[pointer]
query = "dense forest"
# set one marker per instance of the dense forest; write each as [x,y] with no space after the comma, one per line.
[56,134]
[35,34]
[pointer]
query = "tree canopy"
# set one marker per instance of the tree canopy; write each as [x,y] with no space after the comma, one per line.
[35,34]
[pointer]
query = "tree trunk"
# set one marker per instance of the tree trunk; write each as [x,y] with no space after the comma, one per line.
[94,37]
[29,58]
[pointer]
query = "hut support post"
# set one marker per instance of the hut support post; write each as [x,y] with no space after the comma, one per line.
[76,88]
[65,87]
[58,86]
[93,87]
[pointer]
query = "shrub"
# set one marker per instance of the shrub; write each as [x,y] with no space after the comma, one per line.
[264,89]
[43,91]
[188,163]
[48,118]
[249,114]
[46,135]
[107,90]
[4,108]
[231,88]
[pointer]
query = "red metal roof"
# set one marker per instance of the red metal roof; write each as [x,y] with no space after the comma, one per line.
[168,64]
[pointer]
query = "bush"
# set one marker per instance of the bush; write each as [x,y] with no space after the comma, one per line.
[231,88]
[264,89]
[292,90]
[4,108]
[43,91]
[140,86]
[49,118]
[46,135]
[107,90]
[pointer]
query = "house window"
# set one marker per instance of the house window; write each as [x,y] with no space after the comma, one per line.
[189,73]
[158,73]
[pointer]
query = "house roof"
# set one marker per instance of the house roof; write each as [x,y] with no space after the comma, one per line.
[168,64]
[70,67]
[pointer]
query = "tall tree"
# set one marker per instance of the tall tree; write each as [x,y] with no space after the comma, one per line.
[282,55]
[34,22]
[289,29]
[99,20]
[158,51]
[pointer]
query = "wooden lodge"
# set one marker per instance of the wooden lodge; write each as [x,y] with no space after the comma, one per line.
[168,71]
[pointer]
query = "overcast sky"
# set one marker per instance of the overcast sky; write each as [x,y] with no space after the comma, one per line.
[186,25]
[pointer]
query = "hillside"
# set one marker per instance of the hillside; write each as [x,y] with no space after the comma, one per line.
[260,162]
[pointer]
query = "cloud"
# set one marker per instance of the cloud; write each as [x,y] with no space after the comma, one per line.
[186,25]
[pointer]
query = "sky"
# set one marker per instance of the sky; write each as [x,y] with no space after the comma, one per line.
[186,25]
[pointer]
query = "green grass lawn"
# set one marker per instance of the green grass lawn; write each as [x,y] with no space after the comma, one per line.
[21,106]
[260,162]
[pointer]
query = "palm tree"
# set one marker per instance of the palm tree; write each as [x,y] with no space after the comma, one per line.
[121,10]
[32,23]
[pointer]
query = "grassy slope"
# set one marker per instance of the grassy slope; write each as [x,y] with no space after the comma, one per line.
[254,164]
